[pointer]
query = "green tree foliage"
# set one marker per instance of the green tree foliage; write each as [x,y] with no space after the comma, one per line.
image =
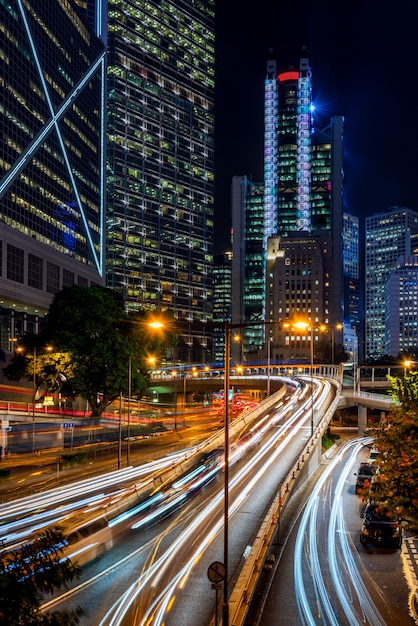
[30,571]
[41,364]
[93,341]
[91,325]
[398,445]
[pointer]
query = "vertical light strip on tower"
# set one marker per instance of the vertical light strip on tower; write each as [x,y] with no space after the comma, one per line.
[270,152]
[303,220]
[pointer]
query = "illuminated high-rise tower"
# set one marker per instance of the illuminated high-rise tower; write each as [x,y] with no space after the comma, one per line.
[52,166]
[161,160]
[301,212]
[302,160]
[303,193]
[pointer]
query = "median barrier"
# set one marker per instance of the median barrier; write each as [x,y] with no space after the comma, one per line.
[178,469]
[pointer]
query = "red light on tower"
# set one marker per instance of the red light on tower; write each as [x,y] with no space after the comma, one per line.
[284,76]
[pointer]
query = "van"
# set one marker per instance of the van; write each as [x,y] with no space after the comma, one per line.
[86,540]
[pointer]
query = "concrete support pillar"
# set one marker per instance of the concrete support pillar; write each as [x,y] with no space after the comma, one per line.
[59,437]
[3,436]
[362,420]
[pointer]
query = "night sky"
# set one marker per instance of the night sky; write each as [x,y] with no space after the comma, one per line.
[364,61]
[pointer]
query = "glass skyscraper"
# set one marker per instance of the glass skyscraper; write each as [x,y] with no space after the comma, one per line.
[161,161]
[52,164]
[302,198]
[302,160]
[248,285]
[389,235]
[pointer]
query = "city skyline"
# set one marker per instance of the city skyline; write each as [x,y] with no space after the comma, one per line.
[361,66]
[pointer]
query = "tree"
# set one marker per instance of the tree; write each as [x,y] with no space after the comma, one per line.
[91,325]
[93,341]
[398,444]
[41,365]
[29,571]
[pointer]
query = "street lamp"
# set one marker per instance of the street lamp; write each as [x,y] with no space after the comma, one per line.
[128,447]
[238,339]
[407,364]
[268,364]
[158,325]
[304,326]
[227,369]
[34,389]
[227,326]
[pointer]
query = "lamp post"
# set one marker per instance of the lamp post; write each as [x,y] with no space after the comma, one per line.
[120,431]
[337,327]
[227,335]
[227,373]
[312,411]
[355,359]
[238,339]
[34,365]
[184,397]
[268,365]
[33,400]
[306,325]
[128,441]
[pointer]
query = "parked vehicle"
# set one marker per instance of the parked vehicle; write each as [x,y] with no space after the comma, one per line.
[364,475]
[380,527]
[374,453]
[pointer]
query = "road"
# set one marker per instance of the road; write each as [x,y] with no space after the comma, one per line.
[158,574]
[324,575]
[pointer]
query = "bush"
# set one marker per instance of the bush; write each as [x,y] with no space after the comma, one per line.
[69,460]
[328,440]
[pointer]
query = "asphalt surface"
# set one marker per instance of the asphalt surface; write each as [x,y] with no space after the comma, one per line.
[30,474]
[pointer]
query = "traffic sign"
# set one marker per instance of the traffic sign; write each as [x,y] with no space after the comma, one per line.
[216,572]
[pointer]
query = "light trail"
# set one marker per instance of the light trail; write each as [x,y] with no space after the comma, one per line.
[243,483]
[337,535]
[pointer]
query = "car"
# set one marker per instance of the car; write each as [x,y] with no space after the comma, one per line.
[375,489]
[365,473]
[380,527]
[374,453]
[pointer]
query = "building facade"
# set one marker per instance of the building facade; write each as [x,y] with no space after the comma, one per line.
[248,263]
[302,197]
[353,331]
[389,235]
[401,308]
[222,290]
[52,166]
[161,162]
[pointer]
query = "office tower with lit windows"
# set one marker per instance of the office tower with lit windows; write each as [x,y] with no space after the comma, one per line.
[52,166]
[302,198]
[401,308]
[389,235]
[248,286]
[161,161]
[296,268]
[222,290]
[303,158]
[353,332]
